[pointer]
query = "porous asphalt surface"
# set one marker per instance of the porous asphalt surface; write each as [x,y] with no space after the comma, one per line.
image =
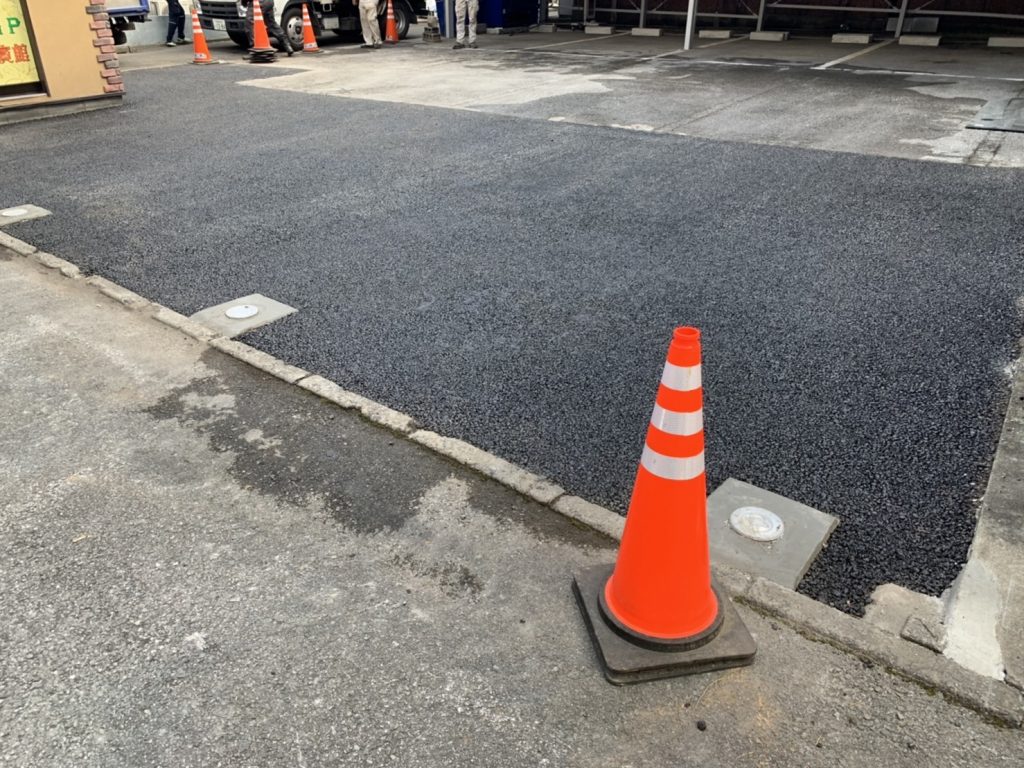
[515,283]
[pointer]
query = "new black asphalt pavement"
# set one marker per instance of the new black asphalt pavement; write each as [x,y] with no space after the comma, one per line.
[515,283]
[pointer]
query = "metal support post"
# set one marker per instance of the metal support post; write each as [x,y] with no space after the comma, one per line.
[643,13]
[902,18]
[691,24]
[760,17]
[449,18]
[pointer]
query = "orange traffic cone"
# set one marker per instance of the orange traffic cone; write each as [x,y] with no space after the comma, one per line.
[391,30]
[261,51]
[308,36]
[200,51]
[656,613]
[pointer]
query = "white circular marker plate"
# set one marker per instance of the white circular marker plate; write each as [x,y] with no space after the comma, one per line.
[757,523]
[241,311]
[12,212]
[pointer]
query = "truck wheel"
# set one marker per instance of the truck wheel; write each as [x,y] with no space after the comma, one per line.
[239,38]
[291,23]
[402,18]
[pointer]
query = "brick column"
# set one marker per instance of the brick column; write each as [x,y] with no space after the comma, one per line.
[104,41]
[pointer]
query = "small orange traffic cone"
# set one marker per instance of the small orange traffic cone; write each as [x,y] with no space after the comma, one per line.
[261,51]
[391,33]
[308,36]
[200,51]
[656,613]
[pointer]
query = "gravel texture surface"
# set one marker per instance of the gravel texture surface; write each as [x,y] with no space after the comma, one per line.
[514,283]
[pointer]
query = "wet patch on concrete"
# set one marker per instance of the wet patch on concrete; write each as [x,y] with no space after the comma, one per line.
[290,445]
[295,449]
[454,579]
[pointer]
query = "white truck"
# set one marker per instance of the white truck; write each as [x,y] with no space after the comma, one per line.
[339,17]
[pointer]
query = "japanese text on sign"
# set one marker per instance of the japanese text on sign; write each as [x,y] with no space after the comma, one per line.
[17,61]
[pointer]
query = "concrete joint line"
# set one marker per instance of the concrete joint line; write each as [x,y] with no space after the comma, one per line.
[997,700]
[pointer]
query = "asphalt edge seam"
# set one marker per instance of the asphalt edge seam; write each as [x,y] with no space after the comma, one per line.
[995,700]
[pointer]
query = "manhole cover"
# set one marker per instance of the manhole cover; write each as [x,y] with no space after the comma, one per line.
[241,311]
[757,523]
[14,212]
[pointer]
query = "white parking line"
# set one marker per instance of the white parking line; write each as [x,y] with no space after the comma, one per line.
[677,51]
[724,42]
[856,54]
[591,39]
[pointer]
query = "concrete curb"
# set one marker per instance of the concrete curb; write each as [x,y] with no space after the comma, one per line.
[116,292]
[996,700]
[984,611]
[50,261]
[933,671]
[20,247]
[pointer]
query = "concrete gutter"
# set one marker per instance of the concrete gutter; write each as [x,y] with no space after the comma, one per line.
[1000,702]
[985,606]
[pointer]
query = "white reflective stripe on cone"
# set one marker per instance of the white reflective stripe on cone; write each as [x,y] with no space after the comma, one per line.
[670,467]
[677,422]
[682,378]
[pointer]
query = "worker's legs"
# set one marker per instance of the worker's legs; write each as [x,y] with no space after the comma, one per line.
[472,7]
[273,28]
[369,23]
[460,22]
[175,20]
[248,25]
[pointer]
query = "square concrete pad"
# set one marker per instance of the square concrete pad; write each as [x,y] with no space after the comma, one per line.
[17,213]
[785,560]
[269,311]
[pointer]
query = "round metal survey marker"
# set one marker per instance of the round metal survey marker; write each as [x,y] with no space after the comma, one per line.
[757,523]
[241,311]
[14,212]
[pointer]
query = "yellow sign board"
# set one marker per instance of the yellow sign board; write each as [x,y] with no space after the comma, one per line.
[17,60]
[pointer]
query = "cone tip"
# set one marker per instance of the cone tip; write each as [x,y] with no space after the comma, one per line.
[686,335]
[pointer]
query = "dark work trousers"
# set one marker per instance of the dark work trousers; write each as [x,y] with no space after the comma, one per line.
[176,20]
[273,28]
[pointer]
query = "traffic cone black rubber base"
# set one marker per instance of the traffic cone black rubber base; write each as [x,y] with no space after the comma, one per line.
[262,55]
[626,662]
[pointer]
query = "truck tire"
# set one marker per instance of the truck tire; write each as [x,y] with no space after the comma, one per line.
[404,17]
[291,23]
[239,38]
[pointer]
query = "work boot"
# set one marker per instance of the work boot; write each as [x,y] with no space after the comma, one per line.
[473,45]
[458,46]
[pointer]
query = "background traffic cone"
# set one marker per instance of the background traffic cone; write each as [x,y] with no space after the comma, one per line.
[200,51]
[391,34]
[261,51]
[308,35]
[656,613]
